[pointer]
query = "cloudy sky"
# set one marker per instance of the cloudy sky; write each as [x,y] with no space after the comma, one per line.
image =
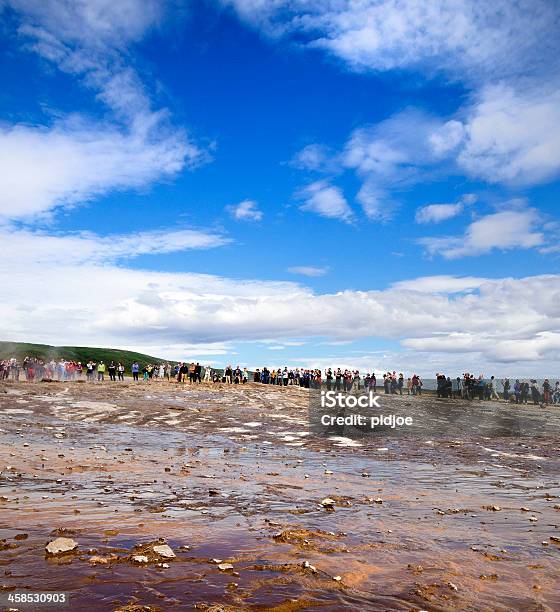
[309,182]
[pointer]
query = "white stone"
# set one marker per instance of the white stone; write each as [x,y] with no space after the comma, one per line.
[61,545]
[163,550]
[225,566]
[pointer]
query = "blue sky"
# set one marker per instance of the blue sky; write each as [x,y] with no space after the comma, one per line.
[366,184]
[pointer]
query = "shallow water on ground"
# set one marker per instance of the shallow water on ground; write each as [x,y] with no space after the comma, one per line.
[434,523]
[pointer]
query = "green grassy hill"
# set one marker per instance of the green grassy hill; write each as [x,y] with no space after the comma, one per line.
[73,353]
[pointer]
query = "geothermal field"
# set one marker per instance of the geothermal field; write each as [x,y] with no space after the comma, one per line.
[163,496]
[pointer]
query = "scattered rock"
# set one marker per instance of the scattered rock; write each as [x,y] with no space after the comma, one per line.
[223,567]
[163,550]
[303,537]
[140,559]
[134,607]
[59,546]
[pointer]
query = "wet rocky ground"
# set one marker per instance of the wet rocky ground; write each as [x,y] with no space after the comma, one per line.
[234,483]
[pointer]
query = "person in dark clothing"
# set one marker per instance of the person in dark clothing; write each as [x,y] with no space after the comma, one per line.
[547,389]
[338,379]
[506,385]
[448,388]
[440,379]
[524,392]
[535,393]
[112,369]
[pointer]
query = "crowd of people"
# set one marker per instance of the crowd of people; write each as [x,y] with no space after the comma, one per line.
[521,391]
[339,380]
[468,386]
[33,368]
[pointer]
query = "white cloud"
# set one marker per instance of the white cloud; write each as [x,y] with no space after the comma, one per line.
[390,156]
[506,53]
[512,136]
[510,229]
[468,39]
[503,136]
[385,148]
[248,210]
[104,304]
[36,247]
[387,157]
[441,284]
[73,162]
[313,157]
[91,40]
[312,271]
[76,159]
[325,200]
[376,202]
[447,137]
[495,349]
[95,23]
[435,213]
